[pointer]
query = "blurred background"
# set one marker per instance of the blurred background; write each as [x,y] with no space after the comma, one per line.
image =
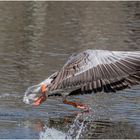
[36,39]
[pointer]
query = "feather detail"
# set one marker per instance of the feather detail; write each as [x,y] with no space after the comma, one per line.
[99,70]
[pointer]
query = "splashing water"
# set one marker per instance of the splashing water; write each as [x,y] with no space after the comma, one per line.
[31,94]
[77,128]
[51,133]
[74,132]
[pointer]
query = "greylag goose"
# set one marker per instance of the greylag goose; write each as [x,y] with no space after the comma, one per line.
[90,71]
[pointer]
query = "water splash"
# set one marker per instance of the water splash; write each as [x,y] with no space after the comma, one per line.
[75,129]
[52,133]
[31,94]
[79,124]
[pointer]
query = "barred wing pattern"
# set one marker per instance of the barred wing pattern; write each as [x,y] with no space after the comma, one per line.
[99,70]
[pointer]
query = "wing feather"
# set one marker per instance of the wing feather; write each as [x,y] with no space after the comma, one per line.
[99,70]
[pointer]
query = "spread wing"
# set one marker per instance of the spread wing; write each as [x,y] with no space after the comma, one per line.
[99,70]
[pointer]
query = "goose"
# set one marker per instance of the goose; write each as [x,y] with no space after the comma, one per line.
[90,71]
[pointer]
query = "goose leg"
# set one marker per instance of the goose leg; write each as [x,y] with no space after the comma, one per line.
[75,104]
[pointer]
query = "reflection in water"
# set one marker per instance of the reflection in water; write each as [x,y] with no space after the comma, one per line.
[65,128]
[81,127]
[36,38]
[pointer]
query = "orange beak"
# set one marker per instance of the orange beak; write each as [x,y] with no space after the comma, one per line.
[42,97]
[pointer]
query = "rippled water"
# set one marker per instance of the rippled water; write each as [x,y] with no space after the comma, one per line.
[36,38]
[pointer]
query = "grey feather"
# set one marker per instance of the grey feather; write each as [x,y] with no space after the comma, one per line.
[98,70]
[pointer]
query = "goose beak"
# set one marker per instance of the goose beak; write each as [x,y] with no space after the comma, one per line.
[42,97]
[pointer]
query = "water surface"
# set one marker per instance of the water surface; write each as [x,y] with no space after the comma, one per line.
[36,38]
